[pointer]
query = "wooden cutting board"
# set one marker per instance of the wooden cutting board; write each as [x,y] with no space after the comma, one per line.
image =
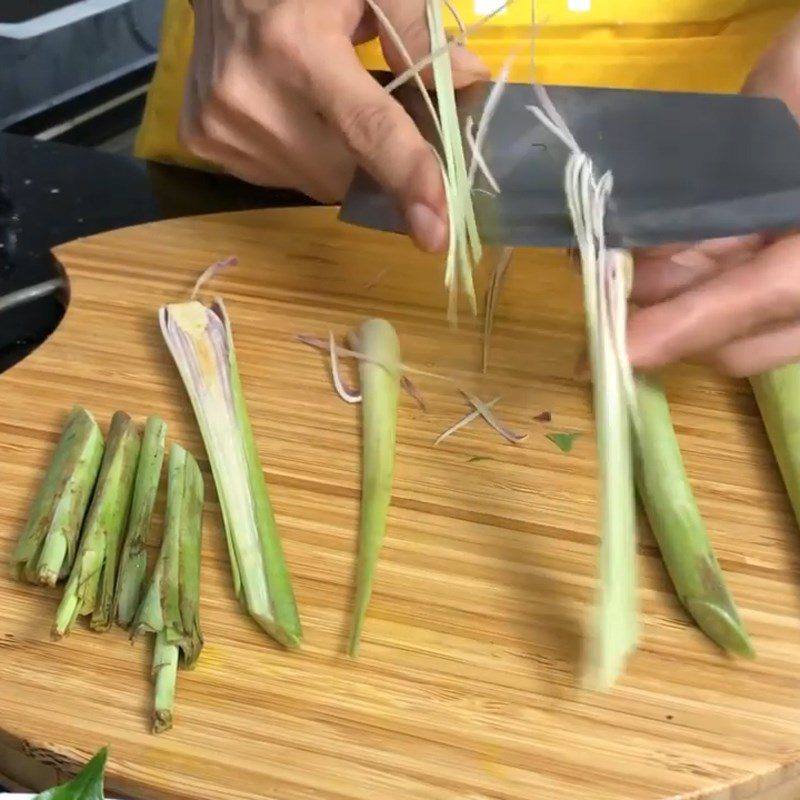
[465,689]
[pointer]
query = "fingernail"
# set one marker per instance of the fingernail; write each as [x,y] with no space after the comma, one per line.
[428,229]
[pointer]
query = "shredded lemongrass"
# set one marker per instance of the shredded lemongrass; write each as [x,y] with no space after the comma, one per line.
[457,17]
[464,421]
[411,390]
[464,248]
[478,161]
[210,272]
[484,410]
[346,393]
[415,68]
[614,630]
[492,296]
[489,109]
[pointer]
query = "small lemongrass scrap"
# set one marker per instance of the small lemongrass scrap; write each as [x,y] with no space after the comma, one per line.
[463,422]
[207,274]
[485,411]
[46,549]
[563,441]
[614,632]
[200,339]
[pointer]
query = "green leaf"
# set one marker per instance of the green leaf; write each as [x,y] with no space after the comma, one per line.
[86,785]
[475,459]
[563,441]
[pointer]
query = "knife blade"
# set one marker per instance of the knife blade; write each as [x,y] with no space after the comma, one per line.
[686,166]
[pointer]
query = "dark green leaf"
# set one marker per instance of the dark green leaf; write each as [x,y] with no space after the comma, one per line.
[86,785]
[474,459]
[563,441]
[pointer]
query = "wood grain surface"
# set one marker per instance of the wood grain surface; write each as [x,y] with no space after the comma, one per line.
[465,688]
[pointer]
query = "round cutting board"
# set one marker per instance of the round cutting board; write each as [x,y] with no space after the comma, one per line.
[466,686]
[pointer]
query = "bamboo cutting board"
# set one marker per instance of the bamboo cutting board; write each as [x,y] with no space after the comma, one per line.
[465,688]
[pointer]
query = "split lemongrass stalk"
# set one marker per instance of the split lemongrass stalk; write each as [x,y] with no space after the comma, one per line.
[676,523]
[171,602]
[46,549]
[133,562]
[201,343]
[380,373]
[171,606]
[91,584]
[614,630]
[776,393]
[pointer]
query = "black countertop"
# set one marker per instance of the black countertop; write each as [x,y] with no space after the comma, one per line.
[53,193]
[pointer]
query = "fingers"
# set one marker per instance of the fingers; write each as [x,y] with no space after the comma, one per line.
[664,272]
[756,354]
[382,137]
[762,291]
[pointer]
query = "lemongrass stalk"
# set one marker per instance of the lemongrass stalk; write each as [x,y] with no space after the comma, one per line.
[46,549]
[676,523]
[133,561]
[90,588]
[201,343]
[171,604]
[380,373]
[614,630]
[777,393]
[164,676]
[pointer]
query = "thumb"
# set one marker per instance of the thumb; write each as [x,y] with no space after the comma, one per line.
[410,20]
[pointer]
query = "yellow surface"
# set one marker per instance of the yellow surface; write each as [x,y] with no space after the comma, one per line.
[465,688]
[694,45]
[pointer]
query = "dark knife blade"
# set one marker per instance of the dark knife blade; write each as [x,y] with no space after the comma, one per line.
[686,166]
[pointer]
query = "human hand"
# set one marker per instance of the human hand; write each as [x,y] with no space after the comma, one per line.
[276,95]
[732,302]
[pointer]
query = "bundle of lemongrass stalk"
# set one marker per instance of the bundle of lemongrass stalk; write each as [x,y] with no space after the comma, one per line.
[89,526]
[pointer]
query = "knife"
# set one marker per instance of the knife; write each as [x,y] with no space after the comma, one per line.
[686,166]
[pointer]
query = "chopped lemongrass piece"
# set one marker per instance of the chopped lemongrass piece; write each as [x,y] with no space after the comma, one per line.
[171,605]
[201,343]
[91,584]
[46,549]
[380,389]
[777,393]
[499,270]
[133,561]
[678,527]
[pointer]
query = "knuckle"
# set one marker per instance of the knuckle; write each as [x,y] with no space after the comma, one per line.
[414,33]
[281,32]
[367,127]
